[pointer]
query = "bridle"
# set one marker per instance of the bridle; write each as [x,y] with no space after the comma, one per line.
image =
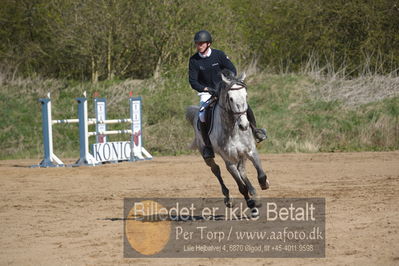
[230,110]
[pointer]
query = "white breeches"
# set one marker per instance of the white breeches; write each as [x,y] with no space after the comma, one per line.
[204,96]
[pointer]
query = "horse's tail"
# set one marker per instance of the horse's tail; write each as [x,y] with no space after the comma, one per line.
[191,113]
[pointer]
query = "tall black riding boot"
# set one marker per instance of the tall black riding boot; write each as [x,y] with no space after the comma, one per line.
[259,133]
[207,152]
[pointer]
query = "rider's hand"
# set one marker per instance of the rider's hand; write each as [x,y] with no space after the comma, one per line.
[212,91]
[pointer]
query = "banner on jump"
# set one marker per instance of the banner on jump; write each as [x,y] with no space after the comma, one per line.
[112,151]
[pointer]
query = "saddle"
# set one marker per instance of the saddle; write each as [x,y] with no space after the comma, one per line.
[209,115]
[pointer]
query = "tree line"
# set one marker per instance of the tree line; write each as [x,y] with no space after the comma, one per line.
[106,39]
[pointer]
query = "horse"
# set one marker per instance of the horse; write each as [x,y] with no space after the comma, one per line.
[232,138]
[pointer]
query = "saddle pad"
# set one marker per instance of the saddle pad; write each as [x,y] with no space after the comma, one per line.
[208,118]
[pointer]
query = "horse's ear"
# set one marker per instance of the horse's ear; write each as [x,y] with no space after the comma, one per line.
[225,79]
[242,77]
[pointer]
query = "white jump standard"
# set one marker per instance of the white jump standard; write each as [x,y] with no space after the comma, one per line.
[102,151]
[50,159]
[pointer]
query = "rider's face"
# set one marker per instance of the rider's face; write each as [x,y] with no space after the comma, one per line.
[202,46]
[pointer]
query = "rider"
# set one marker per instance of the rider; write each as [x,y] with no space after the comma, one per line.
[204,76]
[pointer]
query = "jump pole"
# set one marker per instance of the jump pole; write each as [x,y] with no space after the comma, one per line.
[100,111]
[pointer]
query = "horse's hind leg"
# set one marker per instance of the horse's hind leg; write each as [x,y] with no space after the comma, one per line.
[262,179]
[216,171]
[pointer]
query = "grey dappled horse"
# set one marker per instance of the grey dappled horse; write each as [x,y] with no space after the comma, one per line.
[232,139]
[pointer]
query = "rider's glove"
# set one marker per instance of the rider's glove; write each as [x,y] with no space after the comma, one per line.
[212,91]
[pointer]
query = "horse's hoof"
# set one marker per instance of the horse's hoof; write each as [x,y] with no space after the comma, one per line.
[255,198]
[264,183]
[228,203]
[255,213]
[251,203]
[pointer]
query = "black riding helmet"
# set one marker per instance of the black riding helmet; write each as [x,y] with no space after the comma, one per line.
[202,36]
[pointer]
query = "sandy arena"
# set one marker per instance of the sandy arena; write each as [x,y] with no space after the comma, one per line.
[61,216]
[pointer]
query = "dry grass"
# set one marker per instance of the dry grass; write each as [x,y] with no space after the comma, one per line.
[331,84]
[357,91]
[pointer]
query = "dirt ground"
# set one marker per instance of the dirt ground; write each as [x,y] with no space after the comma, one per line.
[60,215]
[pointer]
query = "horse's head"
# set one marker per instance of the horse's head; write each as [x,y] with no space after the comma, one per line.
[234,98]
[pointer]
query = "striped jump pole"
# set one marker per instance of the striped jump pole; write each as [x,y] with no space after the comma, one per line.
[100,110]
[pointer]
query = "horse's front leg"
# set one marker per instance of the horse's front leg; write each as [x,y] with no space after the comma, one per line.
[233,170]
[262,178]
[254,200]
[216,171]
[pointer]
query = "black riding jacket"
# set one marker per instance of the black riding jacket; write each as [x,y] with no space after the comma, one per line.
[206,72]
